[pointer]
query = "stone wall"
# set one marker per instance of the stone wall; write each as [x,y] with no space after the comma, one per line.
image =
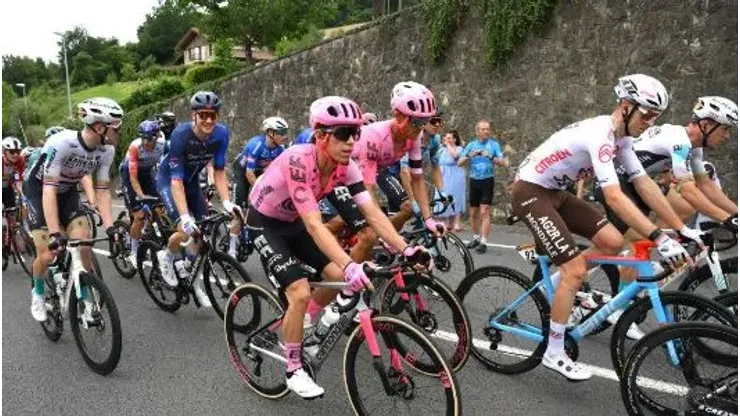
[561,75]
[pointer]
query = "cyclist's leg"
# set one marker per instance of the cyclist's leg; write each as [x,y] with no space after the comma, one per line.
[342,201]
[129,198]
[40,234]
[393,190]
[179,236]
[241,194]
[72,219]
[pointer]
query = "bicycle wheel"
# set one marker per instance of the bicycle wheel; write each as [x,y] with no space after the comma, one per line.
[252,308]
[148,266]
[701,281]
[452,257]
[123,249]
[728,300]
[25,251]
[390,383]
[690,384]
[221,275]
[435,308]
[97,333]
[53,326]
[681,306]
[486,293]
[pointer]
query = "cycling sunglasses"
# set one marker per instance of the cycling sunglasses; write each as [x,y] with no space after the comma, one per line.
[207,115]
[282,132]
[343,133]
[419,122]
[648,115]
[435,121]
[14,151]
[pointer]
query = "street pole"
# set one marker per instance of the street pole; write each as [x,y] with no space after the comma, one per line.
[25,100]
[66,72]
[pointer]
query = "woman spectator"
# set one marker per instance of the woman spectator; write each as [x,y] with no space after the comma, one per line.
[453,178]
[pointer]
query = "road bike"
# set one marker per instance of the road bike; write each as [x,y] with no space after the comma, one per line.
[17,241]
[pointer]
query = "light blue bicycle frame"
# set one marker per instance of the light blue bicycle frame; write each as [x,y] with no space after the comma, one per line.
[644,269]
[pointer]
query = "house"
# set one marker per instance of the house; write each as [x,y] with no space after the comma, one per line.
[196,49]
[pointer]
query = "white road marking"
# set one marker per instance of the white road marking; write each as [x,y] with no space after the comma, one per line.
[606,373]
[494,245]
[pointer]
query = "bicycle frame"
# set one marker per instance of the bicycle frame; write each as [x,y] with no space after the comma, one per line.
[641,262]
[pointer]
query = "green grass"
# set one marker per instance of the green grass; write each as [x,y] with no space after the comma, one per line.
[117,91]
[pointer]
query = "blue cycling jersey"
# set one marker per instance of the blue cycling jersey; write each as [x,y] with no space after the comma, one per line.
[481,167]
[187,155]
[304,136]
[256,155]
[429,152]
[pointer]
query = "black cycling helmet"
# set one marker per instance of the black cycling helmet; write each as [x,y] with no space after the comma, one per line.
[205,100]
[167,118]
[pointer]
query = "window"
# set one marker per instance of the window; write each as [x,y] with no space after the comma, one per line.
[194,54]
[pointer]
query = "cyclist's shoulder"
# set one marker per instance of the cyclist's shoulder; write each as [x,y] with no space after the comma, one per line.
[220,131]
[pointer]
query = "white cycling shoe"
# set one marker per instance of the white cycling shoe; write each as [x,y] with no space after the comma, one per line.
[303,385]
[201,294]
[566,367]
[634,332]
[38,307]
[166,268]
[132,259]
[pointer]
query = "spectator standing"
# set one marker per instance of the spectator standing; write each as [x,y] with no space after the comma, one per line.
[483,152]
[453,178]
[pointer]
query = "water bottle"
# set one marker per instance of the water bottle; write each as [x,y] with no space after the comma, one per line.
[328,319]
[60,282]
[183,268]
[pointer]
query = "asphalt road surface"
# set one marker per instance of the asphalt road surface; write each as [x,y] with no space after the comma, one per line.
[178,363]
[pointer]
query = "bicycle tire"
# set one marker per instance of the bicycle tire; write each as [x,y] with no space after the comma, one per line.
[635,398]
[153,282]
[218,292]
[698,277]
[390,328]
[53,326]
[621,345]
[93,284]
[391,303]
[256,294]
[30,249]
[542,318]
[121,260]
[462,248]
[728,300]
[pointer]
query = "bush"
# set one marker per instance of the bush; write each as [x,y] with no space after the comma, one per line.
[129,128]
[156,71]
[111,79]
[202,73]
[128,72]
[153,91]
[286,45]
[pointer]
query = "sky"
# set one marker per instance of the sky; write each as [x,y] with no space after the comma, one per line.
[28,25]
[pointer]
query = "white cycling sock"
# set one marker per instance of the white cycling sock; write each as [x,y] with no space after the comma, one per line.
[483,240]
[232,243]
[556,343]
[134,245]
[476,237]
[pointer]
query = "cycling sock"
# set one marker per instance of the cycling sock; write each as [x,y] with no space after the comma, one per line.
[476,237]
[293,355]
[483,240]
[134,245]
[38,285]
[622,285]
[233,239]
[313,310]
[555,344]
[83,292]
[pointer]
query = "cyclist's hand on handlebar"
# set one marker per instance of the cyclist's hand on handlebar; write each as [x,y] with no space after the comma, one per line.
[355,276]
[232,209]
[188,225]
[672,251]
[56,241]
[419,256]
[435,227]
[112,234]
[692,234]
[731,223]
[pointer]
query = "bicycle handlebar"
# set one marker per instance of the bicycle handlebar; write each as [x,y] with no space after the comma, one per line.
[207,220]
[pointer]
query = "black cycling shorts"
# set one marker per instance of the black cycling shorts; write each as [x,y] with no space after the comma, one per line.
[69,206]
[241,185]
[341,200]
[147,181]
[9,197]
[481,192]
[629,190]
[392,188]
[285,249]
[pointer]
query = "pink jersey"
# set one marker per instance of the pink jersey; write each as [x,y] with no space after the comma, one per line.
[291,185]
[375,151]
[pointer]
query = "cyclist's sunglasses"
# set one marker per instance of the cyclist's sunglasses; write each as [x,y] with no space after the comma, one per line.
[14,151]
[115,125]
[207,115]
[435,121]
[648,115]
[343,133]
[282,132]
[419,122]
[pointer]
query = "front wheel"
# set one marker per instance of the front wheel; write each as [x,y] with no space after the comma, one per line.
[148,266]
[96,325]
[53,326]
[221,275]
[388,382]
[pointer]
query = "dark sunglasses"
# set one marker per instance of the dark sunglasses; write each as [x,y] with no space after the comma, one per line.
[343,133]
[206,115]
[14,152]
[419,122]
[282,132]
[435,122]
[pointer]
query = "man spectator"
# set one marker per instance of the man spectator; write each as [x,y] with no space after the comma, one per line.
[483,152]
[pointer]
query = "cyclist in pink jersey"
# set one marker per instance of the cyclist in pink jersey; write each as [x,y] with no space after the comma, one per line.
[286,225]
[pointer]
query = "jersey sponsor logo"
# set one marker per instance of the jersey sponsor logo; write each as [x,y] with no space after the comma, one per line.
[263,247]
[552,159]
[287,205]
[606,153]
[548,235]
[266,190]
[372,151]
[342,193]
[527,202]
[299,194]
[564,181]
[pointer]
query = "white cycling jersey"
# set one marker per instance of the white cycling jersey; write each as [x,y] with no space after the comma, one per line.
[578,151]
[65,159]
[667,147]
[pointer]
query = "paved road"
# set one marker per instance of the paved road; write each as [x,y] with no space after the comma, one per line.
[178,364]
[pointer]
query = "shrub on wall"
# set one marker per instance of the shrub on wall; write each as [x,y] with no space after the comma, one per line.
[202,73]
[153,91]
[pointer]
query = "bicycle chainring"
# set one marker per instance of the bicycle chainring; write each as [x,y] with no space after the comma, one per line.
[442,263]
[426,320]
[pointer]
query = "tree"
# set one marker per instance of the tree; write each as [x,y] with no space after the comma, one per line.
[163,27]
[9,97]
[22,69]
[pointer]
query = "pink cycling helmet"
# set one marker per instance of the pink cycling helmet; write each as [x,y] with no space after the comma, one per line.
[413,99]
[335,111]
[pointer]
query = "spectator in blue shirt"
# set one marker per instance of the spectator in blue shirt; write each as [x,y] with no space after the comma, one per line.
[482,152]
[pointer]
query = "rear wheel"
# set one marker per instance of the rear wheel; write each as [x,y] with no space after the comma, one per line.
[222,274]
[123,251]
[148,266]
[97,332]
[25,251]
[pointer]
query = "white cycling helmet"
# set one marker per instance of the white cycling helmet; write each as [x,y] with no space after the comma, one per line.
[719,109]
[100,110]
[642,90]
[52,131]
[12,143]
[274,123]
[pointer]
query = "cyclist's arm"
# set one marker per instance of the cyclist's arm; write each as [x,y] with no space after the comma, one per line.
[689,191]
[252,151]
[405,175]
[222,184]
[177,174]
[87,186]
[715,194]
[102,187]
[324,239]
[626,210]
[251,177]
[210,173]
[105,207]
[579,189]
[382,225]
[650,193]
[217,170]
[420,193]
[133,169]
[49,203]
